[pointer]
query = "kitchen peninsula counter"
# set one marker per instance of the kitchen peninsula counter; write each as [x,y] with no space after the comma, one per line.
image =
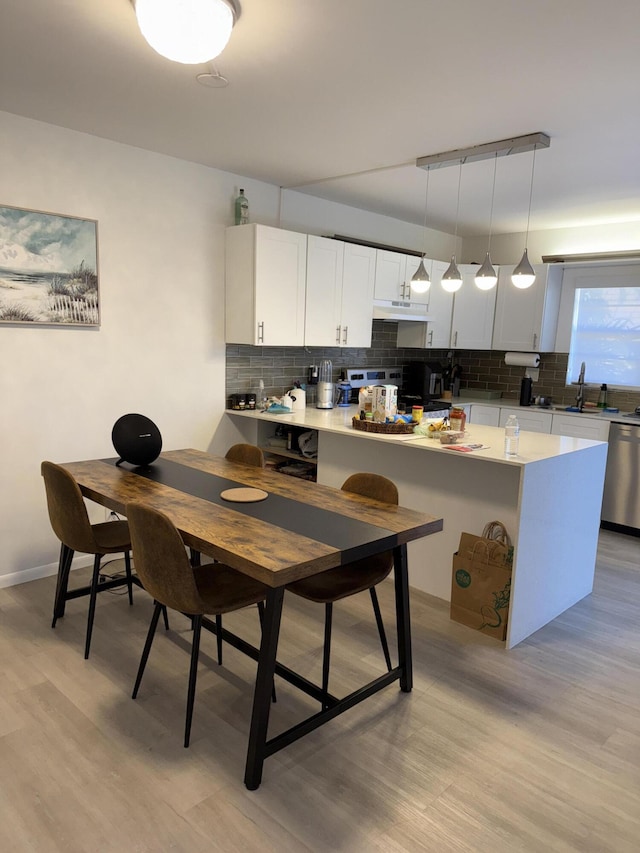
[548,497]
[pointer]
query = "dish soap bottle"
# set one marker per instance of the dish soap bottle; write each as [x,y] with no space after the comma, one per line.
[602,398]
[242,209]
[511,436]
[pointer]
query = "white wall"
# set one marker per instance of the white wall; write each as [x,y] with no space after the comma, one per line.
[160,350]
[507,248]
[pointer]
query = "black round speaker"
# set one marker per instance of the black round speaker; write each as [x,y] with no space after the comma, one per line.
[137,439]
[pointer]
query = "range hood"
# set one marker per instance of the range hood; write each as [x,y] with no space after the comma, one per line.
[387,309]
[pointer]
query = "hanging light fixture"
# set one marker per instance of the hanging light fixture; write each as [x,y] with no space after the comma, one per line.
[187,31]
[486,277]
[420,281]
[524,275]
[451,279]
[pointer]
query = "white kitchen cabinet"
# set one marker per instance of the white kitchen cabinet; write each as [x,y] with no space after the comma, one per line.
[265,272]
[581,426]
[436,333]
[358,280]
[527,319]
[393,276]
[339,302]
[323,304]
[485,415]
[473,311]
[531,420]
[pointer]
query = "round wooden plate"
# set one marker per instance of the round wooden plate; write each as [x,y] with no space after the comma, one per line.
[244,495]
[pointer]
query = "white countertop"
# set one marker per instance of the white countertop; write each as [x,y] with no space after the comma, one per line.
[534,446]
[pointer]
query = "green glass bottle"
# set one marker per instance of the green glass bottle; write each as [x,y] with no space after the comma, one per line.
[242,209]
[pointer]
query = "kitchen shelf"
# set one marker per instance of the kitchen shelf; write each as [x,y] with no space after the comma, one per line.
[287,454]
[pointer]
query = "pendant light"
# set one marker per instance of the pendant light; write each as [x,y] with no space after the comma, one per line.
[452,280]
[187,31]
[486,277]
[420,281]
[524,275]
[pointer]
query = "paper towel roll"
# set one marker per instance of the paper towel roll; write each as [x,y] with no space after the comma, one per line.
[522,359]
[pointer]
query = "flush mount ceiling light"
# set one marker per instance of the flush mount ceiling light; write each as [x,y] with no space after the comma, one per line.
[420,281]
[187,31]
[524,275]
[486,277]
[451,279]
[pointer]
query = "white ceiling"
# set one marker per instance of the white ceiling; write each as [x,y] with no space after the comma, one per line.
[320,88]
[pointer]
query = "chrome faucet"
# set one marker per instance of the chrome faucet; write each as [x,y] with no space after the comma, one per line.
[580,393]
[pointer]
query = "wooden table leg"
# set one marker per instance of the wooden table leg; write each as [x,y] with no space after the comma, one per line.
[262,693]
[403,621]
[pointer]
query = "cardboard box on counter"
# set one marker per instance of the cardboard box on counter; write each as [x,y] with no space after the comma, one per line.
[384,402]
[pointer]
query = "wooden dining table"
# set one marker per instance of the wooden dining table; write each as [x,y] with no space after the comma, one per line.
[300,529]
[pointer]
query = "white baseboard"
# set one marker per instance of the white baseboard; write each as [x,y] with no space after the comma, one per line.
[15,578]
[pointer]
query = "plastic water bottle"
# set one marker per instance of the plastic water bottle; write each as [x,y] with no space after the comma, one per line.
[511,436]
[242,209]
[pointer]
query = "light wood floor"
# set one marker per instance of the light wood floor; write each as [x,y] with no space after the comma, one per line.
[536,749]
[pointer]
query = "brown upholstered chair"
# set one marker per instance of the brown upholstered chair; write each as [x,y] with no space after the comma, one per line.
[246,454]
[167,574]
[70,522]
[343,581]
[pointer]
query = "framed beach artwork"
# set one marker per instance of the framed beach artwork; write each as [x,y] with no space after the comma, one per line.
[48,269]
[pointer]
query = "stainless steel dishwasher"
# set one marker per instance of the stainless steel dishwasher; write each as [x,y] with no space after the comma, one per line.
[621,499]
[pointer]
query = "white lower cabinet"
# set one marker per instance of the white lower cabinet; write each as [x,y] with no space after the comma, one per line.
[528,419]
[581,426]
[485,415]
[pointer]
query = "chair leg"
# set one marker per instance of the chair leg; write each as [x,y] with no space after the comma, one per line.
[147,646]
[328,614]
[380,624]
[219,637]
[193,674]
[64,567]
[165,616]
[127,568]
[261,615]
[194,557]
[92,603]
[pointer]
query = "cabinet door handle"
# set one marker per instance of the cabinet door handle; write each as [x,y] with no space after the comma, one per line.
[431,338]
[535,340]
[345,334]
[338,334]
[455,339]
[261,333]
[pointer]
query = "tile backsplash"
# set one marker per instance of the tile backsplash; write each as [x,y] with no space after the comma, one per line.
[280,367]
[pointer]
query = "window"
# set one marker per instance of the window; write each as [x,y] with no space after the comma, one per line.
[605,325]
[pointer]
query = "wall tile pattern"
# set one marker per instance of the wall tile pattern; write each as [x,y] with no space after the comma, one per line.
[280,367]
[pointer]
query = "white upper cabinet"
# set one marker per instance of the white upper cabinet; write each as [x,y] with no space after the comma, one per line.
[265,271]
[391,273]
[393,277]
[358,280]
[436,333]
[473,311]
[527,319]
[325,261]
[339,303]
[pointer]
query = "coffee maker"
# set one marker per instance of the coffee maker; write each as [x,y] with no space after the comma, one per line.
[326,389]
[423,379]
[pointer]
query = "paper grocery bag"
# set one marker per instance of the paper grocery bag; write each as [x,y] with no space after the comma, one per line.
[481,581]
